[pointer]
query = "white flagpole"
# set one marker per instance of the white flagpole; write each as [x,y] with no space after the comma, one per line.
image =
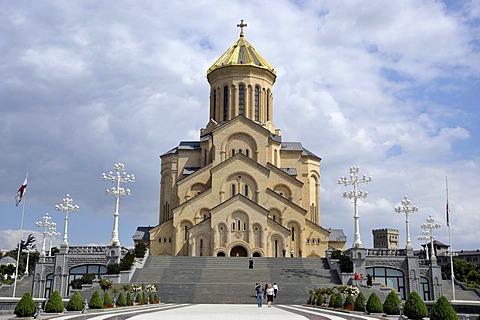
[450,241]
[19,244]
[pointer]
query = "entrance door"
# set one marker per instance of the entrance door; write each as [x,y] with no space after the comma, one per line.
[238,251]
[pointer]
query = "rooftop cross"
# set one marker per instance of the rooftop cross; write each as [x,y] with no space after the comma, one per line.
[241,25]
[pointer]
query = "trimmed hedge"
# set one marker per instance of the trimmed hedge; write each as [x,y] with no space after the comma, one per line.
[336,301]
[390,306]
[96,301]
[360,302]
[415,308]
[129,299]
[374,305]
[443,310]
[121,302]
[349,301]
[76,302]
[26,306]
[54,303]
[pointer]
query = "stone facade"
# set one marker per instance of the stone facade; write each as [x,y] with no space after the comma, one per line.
[240,189]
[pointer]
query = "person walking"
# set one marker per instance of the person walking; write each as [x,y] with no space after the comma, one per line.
[270,292]
[284,252]
[250,264]
[275,290]
[259,294]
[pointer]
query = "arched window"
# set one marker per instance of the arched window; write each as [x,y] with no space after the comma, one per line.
[241,99]
[268,105]
[246,190]
[293,233]
[215,104]
[201,247]
[233,152]
[234,189]
[257,103]
[233,226]
[225,103]
[247,152]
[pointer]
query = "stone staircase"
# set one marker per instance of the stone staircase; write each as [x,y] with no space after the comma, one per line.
[229,280]
[24,284]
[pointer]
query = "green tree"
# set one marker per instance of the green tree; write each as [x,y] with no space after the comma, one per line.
[105,284]
[107,300]
[26,306]
[127,261]
[374,305]
[390,306]
[129,299]
[76,302]
[113,268]
[121,302]
[443,310]
[415,308]
[336,300]
[349,301]
[140,250]
[96,301]
[360,302]
[54,303]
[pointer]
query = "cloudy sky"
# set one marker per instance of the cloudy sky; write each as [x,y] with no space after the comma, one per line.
[390,86]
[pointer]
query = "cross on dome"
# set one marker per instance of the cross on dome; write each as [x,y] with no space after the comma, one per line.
[241,25]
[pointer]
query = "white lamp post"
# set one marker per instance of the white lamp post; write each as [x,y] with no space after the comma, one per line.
[407,209]
[29,249]
[52,233]
[67,206]
[45,224]
[355,194]
[117,191]
[425,237]
[429,226]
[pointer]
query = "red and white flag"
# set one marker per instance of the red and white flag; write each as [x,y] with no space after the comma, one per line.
[21,191]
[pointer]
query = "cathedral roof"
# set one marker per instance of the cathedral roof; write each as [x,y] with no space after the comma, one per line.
[337,235]
[241,53]
[297,146]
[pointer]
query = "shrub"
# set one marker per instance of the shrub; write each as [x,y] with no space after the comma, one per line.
[349,302]
[88,278]
[415,308]
[155,298]
[144,297]
[54,303]
[360,302]
[442,310]
[105,284]
[76,302]
[107,300]
[127,261]
[113,268]
[129,299]
[390,306]
[336,301]
[121,302]
[374,304]
[26,306]
[96,301]
[140,249]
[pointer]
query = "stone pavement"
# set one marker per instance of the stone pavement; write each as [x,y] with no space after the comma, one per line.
[207,312]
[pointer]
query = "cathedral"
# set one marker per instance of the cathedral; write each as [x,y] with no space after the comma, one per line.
[240,190]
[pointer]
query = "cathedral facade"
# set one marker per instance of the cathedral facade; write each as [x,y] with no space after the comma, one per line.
[240,190]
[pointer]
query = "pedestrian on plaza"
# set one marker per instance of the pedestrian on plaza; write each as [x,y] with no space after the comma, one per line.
[284,252]
[291,253]
[300,253]
[265,291]
[356,279]
[259,294]
[270,292]
[275,290]
[369,280]
[362,280]
[250,264]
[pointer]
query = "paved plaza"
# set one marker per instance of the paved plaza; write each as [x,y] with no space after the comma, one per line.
[207,312]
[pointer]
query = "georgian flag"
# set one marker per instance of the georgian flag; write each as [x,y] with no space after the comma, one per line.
[21,191]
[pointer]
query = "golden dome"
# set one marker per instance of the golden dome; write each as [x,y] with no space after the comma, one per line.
[241,53]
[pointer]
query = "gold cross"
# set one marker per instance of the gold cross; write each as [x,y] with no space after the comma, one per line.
[241,25]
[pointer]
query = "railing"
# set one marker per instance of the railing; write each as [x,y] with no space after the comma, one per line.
[386,252]
[87,249]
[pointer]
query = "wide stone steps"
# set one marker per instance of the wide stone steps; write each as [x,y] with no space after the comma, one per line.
[229,280]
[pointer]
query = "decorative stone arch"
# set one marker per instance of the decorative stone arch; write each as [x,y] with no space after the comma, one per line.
[240,247]
[197,188]
[314,196]
[243,183]
[165,190]
[222,234]
[240,225]
[276,215]
[283,190]
[257,229]
[240,141]
[296,235]
[277,243]
[201,245]
[220,254]
[392,277]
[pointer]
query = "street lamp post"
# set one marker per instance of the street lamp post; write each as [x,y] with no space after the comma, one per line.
[52,233]
[29,249]
[407,209]
[429,226]
[66,206]
[355,194]
[425,237]
[117,191]
[45,224]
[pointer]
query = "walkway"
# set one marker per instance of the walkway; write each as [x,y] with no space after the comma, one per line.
[208,312]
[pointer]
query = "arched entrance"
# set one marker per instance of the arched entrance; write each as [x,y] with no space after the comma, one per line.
[221,254]
[238,251]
